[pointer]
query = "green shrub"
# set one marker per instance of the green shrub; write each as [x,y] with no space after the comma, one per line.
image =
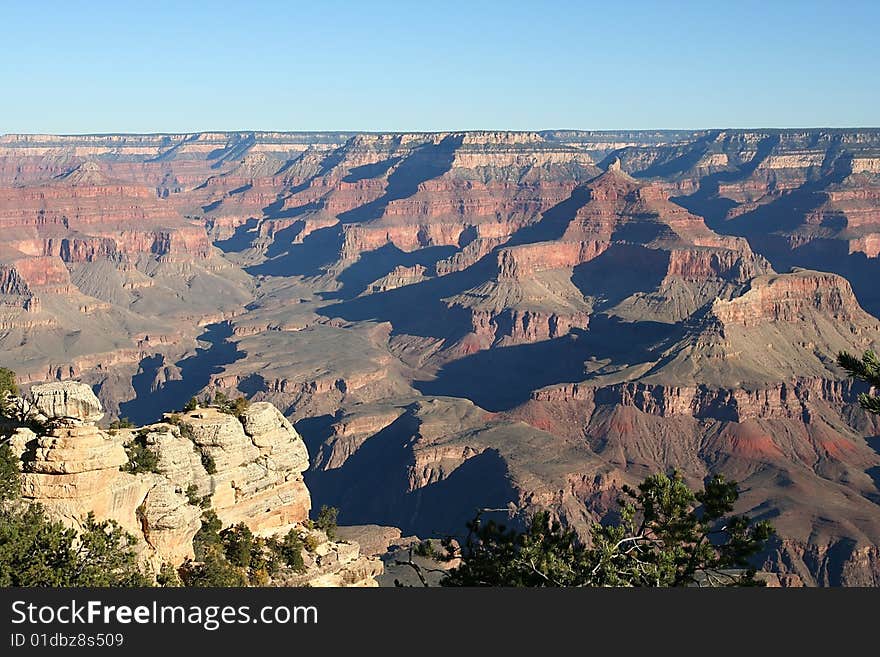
[224,404]
[208,536]
[192,495]
[290,551]
[168,576]
[311,542]
[10,480]
[140,457]
[239,406]
[37,551]
[208,463]
[191,405]
[213,571]
[666,535]
[426,549]
[326,520]
[184,429]
[121,423]
[8,387]
[231,557]
[239,545]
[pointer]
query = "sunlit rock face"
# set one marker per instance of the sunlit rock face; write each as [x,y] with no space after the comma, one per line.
[254,477]
[67,400]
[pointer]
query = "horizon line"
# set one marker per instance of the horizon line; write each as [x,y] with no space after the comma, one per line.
[434,132]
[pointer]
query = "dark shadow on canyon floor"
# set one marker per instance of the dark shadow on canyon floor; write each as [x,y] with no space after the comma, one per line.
[373,170]
[706,202]
[194,374]
[373,265]
[309,258]
[373,485]
[553,222]
[681,162]
[619,272]
[501,378]
[241,239]
[418,309]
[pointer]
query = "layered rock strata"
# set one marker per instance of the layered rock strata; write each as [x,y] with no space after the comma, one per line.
[249,469]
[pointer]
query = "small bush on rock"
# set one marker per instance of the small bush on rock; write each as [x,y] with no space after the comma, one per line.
[140,457]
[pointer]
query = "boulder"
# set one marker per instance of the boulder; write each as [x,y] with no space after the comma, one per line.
[179,458]
[77,469]
[67,400]
[275,437]
[220,436]
[170,522]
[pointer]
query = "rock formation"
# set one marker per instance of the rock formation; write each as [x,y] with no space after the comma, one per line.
[63,401]
[254,477]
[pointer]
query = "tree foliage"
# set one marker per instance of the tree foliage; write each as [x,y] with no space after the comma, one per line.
[140,457]
[235,556]
[213,571]
[211,567]
[10,480]
[222,402]
[326,520]
[290,550]
[208,462]
[8,387]
[16,407]
[168,577]
[36,551]
[667,535]
[867,369]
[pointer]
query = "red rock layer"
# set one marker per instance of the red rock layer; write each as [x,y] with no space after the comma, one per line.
[790,298]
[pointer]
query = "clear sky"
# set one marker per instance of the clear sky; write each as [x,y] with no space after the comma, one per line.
[128,66]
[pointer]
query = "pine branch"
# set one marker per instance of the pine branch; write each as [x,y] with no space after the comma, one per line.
[865,369]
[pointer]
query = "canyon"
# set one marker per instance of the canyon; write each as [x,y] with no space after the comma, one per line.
[456,321]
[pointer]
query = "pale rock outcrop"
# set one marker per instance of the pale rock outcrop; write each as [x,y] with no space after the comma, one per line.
[72,450]
[254,476]
[258,461]
[67,400]
[179,458]
[21,440]
[275,436]
[169,522]
[222,437]
[75,470]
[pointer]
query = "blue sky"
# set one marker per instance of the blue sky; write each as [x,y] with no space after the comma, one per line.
[73,67]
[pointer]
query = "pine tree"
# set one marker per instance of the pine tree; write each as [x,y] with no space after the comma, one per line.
[667,535]
[865,369]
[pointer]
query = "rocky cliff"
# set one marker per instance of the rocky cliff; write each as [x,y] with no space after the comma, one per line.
[247,468]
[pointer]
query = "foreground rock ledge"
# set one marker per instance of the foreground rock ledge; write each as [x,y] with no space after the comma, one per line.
[256,464]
